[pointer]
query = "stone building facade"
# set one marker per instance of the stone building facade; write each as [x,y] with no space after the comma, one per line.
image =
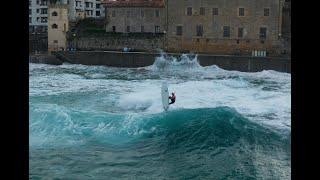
[154,43]
[223,27]
[203,26]
[58,25]
[135,16]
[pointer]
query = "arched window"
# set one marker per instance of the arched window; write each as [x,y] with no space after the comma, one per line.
[54,13]
[54,26]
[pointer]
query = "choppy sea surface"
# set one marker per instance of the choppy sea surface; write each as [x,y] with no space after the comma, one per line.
[97,122]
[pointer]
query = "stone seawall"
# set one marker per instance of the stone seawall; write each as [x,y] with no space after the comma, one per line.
[138,42]
[44,58]
[140,59]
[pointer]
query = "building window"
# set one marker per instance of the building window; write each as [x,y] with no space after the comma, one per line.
[30,20]
[128,29]
[241,11]
[202,11]
[113,13]
[266,11]
[157,13]
[38,19]
[215,11]
[43,3]
[87,4]
[157,29]
[128,13]
[199,30]
[142,13]
[44,11]
[55,41]
[54,13]
[240,32]
[30,11]
[263,33]
[226,31]
[44,19]
[97,13]
[179,31]
[142,28]
[113,29]
[64,27]
[29,3]
[189,11]
[97,6]
[38,10]
[37,2]
[54,26]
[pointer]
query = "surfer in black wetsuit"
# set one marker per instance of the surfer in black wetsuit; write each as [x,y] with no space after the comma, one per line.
[172,98]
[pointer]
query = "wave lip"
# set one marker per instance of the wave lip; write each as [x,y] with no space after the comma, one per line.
[212,127]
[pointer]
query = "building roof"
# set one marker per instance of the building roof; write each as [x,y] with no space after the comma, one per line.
[134,3]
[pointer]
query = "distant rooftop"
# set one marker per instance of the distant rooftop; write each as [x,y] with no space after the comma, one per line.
[134,3]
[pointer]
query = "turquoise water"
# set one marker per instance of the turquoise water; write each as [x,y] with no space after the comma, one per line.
[95,122]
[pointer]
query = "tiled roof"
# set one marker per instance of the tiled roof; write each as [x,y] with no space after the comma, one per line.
[134,3]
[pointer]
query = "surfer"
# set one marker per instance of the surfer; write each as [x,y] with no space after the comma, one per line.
[172,98]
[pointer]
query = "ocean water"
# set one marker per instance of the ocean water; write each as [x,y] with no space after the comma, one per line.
[96,122]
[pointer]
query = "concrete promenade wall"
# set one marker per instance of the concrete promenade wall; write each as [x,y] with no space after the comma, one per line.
[140,59]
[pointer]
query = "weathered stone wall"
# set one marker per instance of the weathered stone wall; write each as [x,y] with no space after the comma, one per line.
[38,43]
[140,59]
[286,29]
[118,42]
[212,40]
[45,59]
[133,17]
[286,20]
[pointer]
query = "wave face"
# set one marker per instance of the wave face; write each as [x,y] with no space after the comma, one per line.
[93,122]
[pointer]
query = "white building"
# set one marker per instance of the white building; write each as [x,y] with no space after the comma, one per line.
[38,15]
[86,8]
[38,11]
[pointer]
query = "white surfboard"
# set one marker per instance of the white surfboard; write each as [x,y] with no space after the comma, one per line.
[165,96]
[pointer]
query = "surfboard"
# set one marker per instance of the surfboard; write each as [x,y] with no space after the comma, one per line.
[165,96]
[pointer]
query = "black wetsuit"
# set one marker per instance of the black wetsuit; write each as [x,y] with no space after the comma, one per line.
[173,99]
